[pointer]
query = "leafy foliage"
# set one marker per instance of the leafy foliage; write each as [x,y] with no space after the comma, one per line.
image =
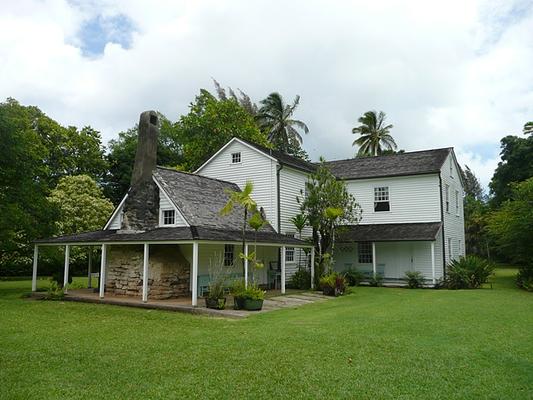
[516,165]
[376,280]
[353,277]
[210,124]
[275,117]
[468,272]
[511,227]
[414,279]
[375,135]
[301,279]
[333,283]
[524,278]
[472,186]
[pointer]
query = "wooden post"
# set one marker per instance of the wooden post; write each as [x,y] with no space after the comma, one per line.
[90,269]
[283,248]
[194,276]
[102,270]
[34,275]
[374,259]
[246,265]
[433,277]
[67,265]
[312,267]
[145,271]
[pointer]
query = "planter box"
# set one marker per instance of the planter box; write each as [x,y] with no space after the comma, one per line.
[253,305]
[238,303]
[217,304]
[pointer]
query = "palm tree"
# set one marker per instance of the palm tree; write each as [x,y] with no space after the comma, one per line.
[275,118]
[300,222]
[375,136]
[243,199]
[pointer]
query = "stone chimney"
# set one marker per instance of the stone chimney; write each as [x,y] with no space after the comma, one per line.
[141,208]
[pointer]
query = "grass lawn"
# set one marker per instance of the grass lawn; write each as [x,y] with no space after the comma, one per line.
[375,343]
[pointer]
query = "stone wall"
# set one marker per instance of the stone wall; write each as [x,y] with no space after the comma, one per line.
[169,271]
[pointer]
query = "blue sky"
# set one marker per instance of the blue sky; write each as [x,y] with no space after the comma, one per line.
[451,73]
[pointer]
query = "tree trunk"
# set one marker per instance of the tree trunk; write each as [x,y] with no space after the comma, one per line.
[244,236]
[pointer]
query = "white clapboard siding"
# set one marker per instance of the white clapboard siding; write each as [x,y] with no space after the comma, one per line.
[292,185]
[454,228]
[166,204]
[116,222]
[255,167]
[412,199]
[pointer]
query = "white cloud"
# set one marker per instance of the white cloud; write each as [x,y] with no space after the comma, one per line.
[447,73]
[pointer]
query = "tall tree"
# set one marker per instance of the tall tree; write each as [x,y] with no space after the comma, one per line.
[512,225]
[243,99]
[25,212]
[122,155]
[516,165]
[210,124]
[375,135]
[471,184]
[326,204]
[528,128]
[275,118]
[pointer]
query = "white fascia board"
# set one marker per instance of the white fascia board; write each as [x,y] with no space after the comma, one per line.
[226,145]
[171,201]
[117,210]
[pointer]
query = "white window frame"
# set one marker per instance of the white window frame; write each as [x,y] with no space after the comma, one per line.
[236,155]
[290,253]
[447,197]
[457,202]
[364,253]
[229,255]
[450,252]
[162,217]
[382,195]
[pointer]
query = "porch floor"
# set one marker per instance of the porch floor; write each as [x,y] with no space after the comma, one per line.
[273,301]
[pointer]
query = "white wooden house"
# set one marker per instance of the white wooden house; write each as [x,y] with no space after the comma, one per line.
[412,204]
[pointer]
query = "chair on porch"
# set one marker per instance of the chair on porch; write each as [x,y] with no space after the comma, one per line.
[274,275]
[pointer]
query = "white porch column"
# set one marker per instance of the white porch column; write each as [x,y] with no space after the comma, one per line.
[246,265]
[283,248]
[67,264]
[90,269]
[313,267]
[433,277]
[102,270]
[34,275]
[145,271]
[194,276]
[374,259]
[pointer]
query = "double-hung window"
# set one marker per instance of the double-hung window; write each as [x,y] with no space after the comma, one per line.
[365,252]
[169,217]
[447,197]
[456,202]
[289,251]
[381,199]
[229,251]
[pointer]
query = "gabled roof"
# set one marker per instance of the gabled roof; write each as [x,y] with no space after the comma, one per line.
[411,163]
[283,158]
[200,199]
[388,232]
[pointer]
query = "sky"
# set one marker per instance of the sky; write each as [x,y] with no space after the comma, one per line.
[447,73]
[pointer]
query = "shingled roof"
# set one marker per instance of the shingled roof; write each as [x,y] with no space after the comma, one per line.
[284,159]
[388,232]
[200,199]
[412,163]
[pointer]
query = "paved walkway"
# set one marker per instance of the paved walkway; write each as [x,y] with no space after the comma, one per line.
[184,304]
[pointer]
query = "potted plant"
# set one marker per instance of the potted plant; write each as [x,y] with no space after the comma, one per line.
[253,298]
[215,297]
[333,284]
[237,291]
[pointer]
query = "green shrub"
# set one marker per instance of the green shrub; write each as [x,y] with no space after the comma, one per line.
[301,279]
[468,272]
[54,292]
[524,278]
[253,292]
[376,280]
[353,277]
[414,279]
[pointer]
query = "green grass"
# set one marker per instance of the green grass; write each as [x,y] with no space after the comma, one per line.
[375,343]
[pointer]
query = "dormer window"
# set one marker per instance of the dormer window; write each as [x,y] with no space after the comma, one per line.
[169,217]
[381,199]
[236,158]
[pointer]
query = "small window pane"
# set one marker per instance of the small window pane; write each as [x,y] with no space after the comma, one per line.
[365,253]
[381,199]
[228,254]
[169,217]
[289,254]
[447,198]
[236,157]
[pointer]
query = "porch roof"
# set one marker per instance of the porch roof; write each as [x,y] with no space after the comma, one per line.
[389,232]
[175,234]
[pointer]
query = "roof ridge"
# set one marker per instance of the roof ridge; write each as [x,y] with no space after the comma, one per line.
[196,175]
[388,155]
